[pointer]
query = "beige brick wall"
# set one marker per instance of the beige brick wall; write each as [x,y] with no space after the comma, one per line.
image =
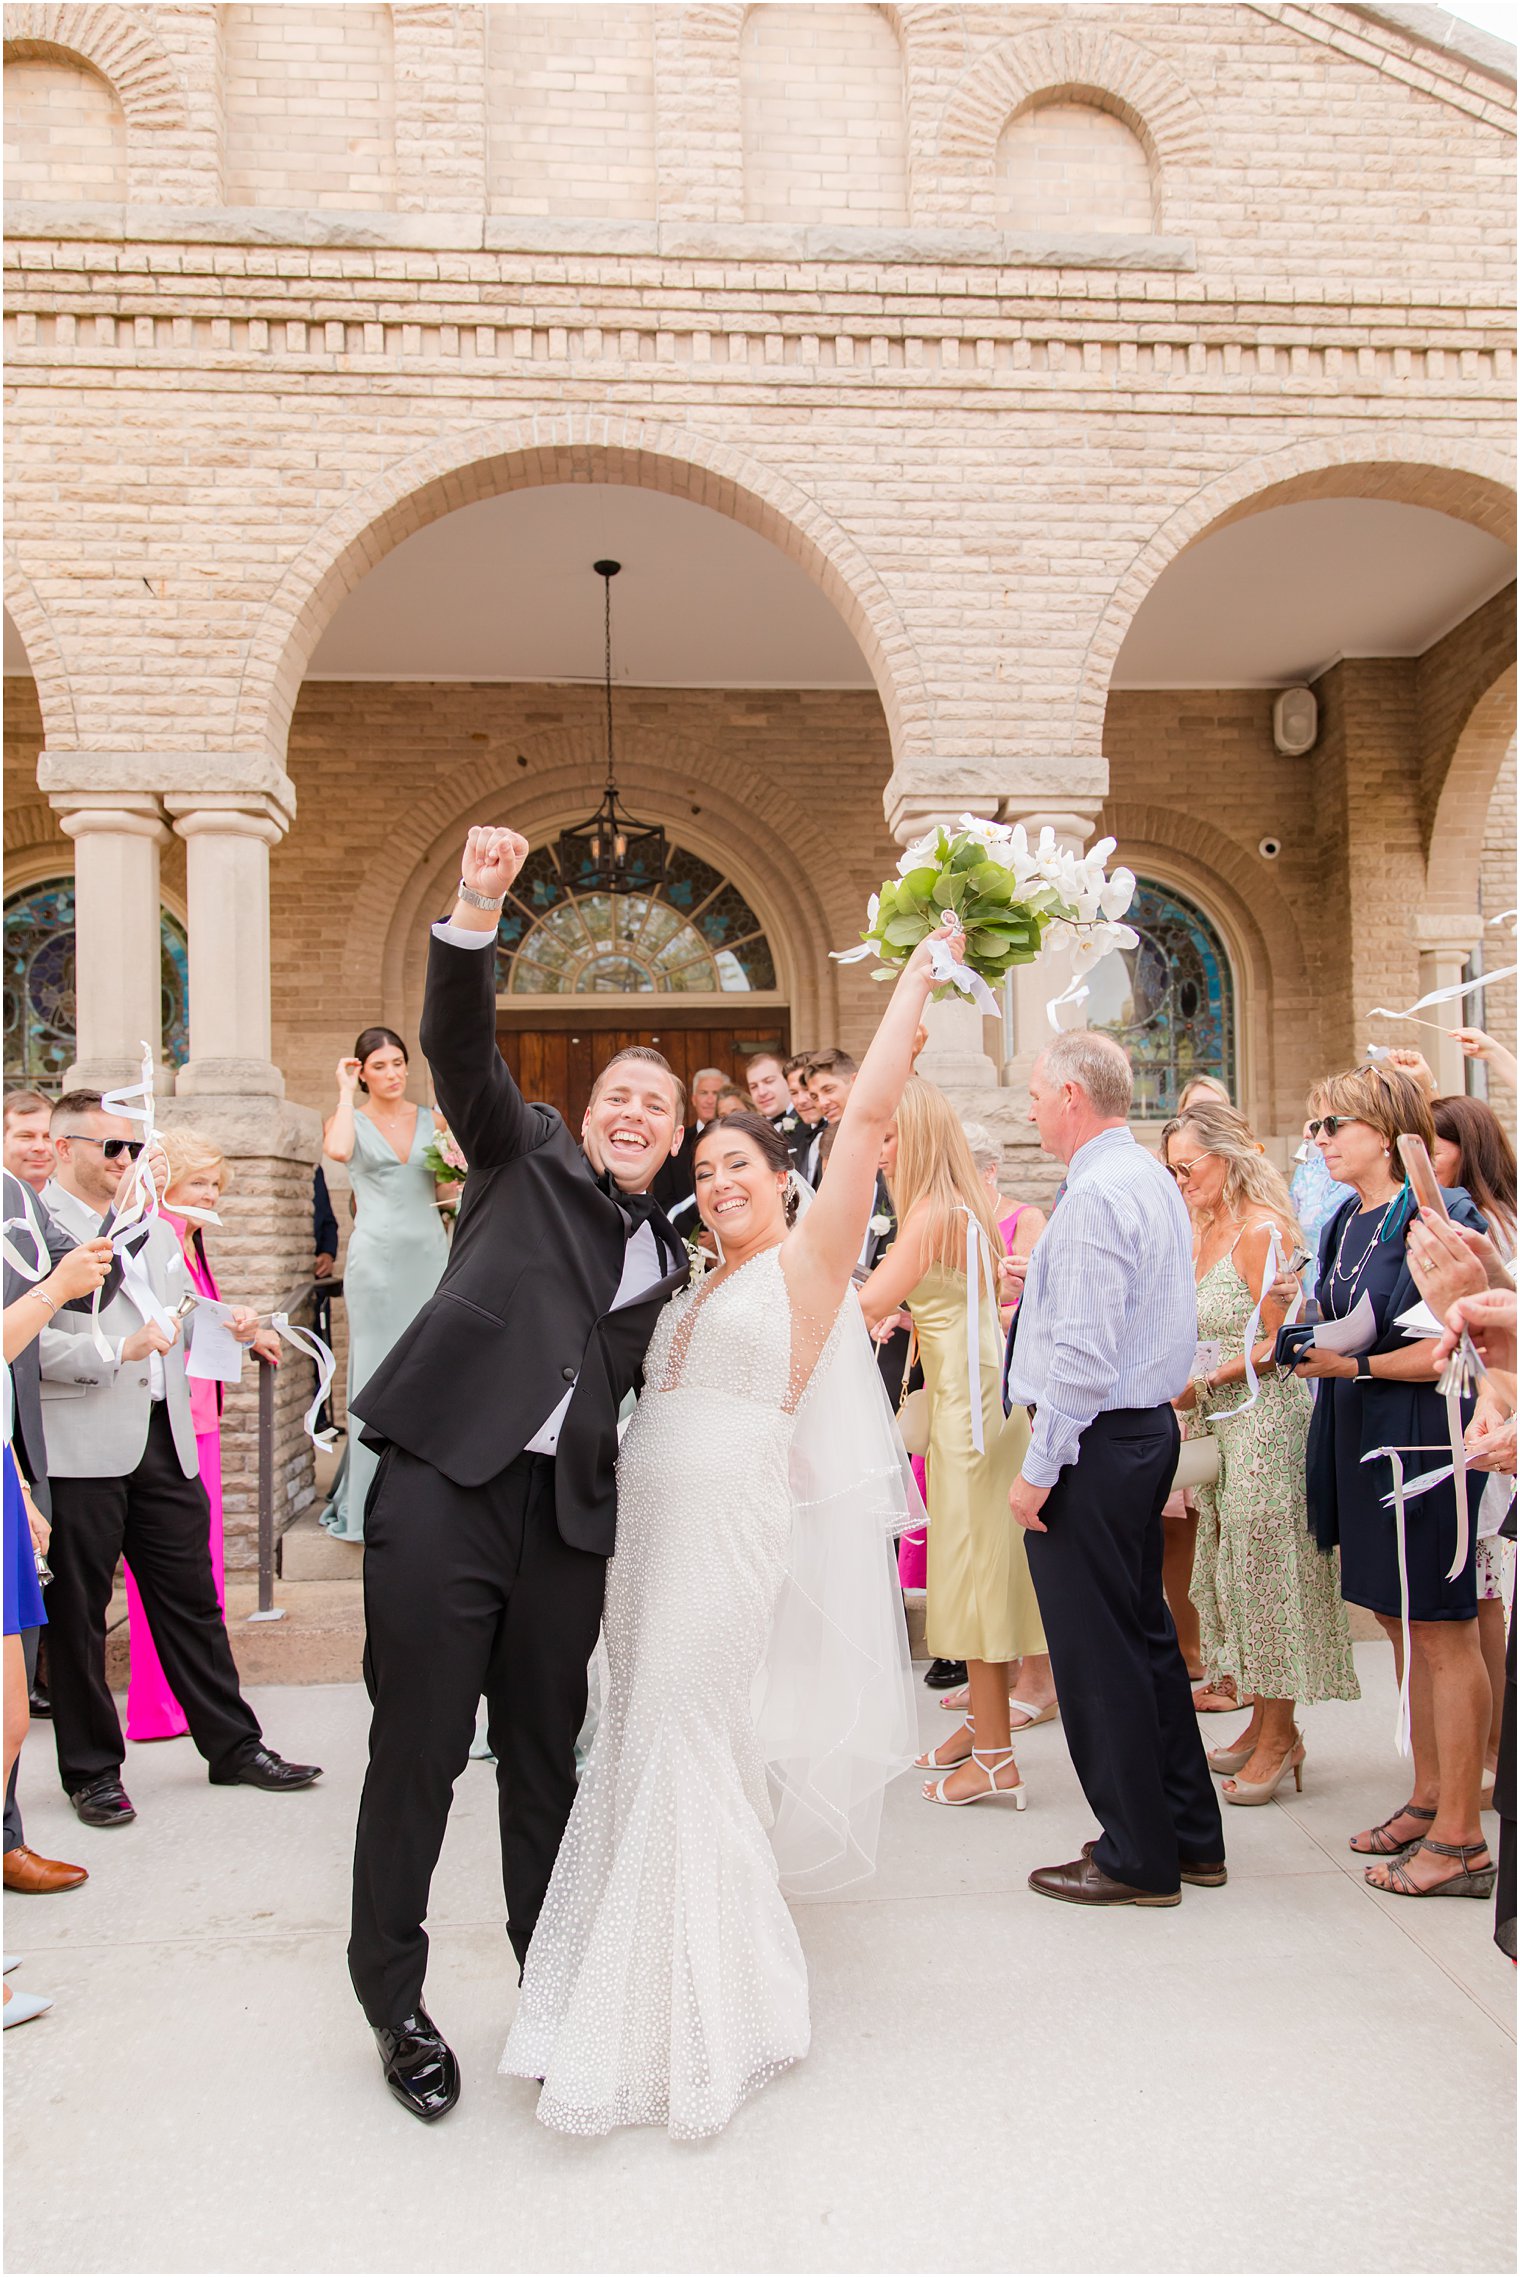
[65,134]
[825,137]
[1071,167]
[310,102]
[570,96]
[1501,890]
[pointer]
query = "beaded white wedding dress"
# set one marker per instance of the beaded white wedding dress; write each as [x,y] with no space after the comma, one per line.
[759,1698]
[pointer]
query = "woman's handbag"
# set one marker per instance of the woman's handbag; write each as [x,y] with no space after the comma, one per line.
[913,1406]
[1197,1463]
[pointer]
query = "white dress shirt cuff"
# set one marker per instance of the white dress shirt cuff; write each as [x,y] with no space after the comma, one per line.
[462,936]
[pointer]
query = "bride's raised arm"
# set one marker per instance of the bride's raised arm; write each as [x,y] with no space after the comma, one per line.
[828,1238]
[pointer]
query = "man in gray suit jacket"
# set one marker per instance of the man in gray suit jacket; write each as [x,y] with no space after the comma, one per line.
[124,1477]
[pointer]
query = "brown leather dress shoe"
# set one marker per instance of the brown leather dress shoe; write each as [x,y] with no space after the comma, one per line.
[1210,1875]
[1083,1883]
[24,1870]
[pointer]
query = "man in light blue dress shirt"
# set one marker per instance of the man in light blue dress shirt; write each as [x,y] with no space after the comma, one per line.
[1101,1345]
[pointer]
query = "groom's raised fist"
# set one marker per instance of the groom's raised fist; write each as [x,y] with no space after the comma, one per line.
[492,859]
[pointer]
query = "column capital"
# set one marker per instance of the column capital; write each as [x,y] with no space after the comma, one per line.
[120,814]
[1008,790]
[1457,933]
[197,776]
[1075,819]
[230,814]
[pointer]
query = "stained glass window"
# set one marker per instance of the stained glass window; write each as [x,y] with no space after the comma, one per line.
[693,933]
[1170,1001]
[39,985]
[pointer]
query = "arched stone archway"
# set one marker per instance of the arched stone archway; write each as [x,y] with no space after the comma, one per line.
[114,42]
[29,615]
[1473,485]
[1461,813]
[574,446]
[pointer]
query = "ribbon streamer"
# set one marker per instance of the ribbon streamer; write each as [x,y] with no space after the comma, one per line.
[945,969]
[1276,1262]
[978,1256]
[131,1219]
[307,1342]
[1075,992]
[1445,995]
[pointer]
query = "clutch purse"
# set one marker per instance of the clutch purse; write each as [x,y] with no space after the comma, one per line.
[1293,1341]
[1197,1463]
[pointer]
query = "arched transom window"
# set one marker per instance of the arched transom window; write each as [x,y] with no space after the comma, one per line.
[690,933]
[39,985]
[1170,1001]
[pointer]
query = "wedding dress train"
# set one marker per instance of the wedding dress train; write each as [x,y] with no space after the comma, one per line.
[759,1698]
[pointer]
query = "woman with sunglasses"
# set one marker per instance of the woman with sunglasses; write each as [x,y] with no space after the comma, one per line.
[1432,1845]
[1269,1607]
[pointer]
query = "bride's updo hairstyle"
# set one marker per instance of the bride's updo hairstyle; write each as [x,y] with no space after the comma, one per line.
[767,1143]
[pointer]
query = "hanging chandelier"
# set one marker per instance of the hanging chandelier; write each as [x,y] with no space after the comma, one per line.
[612,852]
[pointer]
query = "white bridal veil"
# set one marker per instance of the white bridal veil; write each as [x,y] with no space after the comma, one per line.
[834,1701]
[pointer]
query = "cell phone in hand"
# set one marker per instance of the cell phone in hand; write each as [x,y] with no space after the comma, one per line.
[1421,1173]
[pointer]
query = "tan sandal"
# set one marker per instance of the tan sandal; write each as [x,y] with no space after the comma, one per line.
[1381,1844]
[1469,1881]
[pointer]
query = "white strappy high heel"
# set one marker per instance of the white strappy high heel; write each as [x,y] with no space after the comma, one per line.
[989,1766]
[930,1760]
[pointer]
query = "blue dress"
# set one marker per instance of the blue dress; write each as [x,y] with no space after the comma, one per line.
[1346,1496]
[23,1591]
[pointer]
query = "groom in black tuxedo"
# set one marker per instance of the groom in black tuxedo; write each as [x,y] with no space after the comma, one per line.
[493,1512]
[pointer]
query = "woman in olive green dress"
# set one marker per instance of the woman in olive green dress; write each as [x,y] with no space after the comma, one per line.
[981,1601]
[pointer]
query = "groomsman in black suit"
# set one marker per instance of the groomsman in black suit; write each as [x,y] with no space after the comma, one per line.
[796,1072]
[765,1077]
[494,1508]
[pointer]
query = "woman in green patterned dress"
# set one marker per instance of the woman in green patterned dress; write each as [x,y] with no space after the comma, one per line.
[1268,1599]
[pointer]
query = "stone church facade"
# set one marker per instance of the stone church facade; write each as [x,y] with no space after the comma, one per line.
[986,317]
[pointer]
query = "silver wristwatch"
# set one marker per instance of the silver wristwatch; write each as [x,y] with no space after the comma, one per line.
[479,900]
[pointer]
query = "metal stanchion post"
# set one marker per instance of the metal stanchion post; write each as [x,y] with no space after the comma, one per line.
[268,1610]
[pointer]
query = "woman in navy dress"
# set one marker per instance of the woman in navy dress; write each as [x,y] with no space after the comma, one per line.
[1432,1845]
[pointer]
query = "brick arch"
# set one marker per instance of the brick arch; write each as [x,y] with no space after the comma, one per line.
[1473,484]
[1276,1011]
[758,838]
[55,695]
[114,42]
[572,446]
[1089,64]
[1455,857]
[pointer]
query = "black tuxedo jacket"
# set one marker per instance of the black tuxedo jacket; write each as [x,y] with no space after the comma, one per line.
[524,1304]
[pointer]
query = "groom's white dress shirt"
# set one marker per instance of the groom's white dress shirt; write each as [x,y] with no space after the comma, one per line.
[1109,1317]
[642,1263]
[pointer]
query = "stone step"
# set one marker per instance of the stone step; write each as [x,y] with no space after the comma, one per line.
[318,1640]
[309,1553]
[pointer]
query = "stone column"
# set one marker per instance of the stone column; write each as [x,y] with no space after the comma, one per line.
[227,840]
[1036,986]
[117,950]
[1444,944]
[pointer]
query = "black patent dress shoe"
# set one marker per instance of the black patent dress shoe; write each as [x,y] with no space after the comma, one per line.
[940,1675]
[40,1703]
[421,2069]
[103,1802]
[266,1769]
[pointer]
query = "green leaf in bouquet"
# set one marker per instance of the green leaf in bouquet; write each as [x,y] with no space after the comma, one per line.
[949,891]
[887,899]
[967,855]
[993,883]
[918,886]
[905,932]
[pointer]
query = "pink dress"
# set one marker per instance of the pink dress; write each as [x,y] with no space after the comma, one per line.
[152,1710]
[913,1549]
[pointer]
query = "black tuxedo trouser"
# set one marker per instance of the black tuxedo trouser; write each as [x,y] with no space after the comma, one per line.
[467,1590]
[161,1522]
[1126,1702]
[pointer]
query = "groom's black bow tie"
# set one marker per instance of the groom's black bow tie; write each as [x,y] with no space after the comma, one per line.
[643,1209]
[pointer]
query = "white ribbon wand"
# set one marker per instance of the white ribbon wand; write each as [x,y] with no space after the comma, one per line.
[1443,996]
[976,1244]
[307,1342]
[1276,1262]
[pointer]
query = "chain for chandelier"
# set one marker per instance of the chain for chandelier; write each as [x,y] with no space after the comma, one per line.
[612,851]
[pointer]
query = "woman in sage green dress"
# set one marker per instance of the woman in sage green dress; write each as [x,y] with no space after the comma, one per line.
[981,1602]
[1268,1598]
[398,1248]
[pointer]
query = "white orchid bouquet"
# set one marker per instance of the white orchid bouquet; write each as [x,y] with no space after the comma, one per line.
[1012,900]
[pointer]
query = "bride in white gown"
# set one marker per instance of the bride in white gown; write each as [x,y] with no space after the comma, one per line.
[760,1694]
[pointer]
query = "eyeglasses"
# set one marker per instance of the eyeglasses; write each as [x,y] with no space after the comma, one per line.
[1183,1171]
[111,1149]
[1330,1124]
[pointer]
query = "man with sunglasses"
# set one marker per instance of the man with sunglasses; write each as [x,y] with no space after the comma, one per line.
[125,1479]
